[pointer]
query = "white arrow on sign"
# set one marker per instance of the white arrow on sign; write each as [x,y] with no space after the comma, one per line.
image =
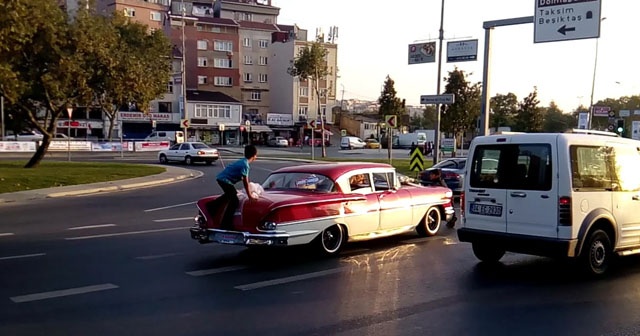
[445,99]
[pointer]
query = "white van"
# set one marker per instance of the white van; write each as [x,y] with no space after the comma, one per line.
[172,136]
[574,195]
[351,142]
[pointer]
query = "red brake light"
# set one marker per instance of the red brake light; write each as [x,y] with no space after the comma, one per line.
[564,211]
[201,152]
[462,203]
[451,175]
[564,201]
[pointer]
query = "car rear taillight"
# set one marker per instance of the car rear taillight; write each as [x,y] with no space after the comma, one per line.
[564,211]
[462,203]
[451,176]
[201,153]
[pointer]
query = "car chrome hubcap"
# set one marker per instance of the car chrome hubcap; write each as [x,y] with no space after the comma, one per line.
[598,253]
[432,220]
[331,239]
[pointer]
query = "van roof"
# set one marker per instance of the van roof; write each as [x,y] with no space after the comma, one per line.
[571,136]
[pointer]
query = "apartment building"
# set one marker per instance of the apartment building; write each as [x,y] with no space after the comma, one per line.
[148,12]
[295,96]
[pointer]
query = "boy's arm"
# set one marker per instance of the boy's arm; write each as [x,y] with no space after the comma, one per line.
[245,181]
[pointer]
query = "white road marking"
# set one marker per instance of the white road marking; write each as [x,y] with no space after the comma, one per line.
[173,219]
[23,256]
[157,256]
[90,227]
[294,278]
[216,270]
[6,234]
[126,233]
[61,293]
[169,207]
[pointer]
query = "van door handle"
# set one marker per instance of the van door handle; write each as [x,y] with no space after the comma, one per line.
[635,197]
[518,194]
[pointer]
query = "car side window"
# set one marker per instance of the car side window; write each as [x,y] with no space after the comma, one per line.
[626,161]
[360,183]
[591,168]
[185,146]
[383,181]
[175,147]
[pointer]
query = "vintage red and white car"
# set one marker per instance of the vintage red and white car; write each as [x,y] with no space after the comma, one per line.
[328,205]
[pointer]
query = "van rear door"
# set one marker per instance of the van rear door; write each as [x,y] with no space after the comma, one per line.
[485,192]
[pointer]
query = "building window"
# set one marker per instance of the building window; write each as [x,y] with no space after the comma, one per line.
[212,111]
[263,78]
[248,77]
[170,87]
[304,91]
[202,44]
[256,95]
[215,29]
[302,110]
[202,61]
[223,81]
[263,60]
[222,63]
[155,16]
[129,12]
[248,59]
[223,46]
[246,42]
[199,27]
[164,107]
[323,110]
[202,79]
[264,44]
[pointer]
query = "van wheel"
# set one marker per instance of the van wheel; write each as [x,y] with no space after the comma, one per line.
[487,253]
[331,240]
[163,159]
[188,160]
[430,223]
[596,253]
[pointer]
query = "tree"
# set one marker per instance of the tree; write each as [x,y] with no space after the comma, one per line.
[555,121]
[311,65]
[389,105]
[427,120]
[530,117]
[503,110]
[41,71]
[463,114]
[130,64]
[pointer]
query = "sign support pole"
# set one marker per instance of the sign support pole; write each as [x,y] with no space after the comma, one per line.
[436,138]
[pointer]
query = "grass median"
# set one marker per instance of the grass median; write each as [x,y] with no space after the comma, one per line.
[13,177]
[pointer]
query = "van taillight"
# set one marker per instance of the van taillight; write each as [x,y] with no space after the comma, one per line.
[564,211]
[462,203]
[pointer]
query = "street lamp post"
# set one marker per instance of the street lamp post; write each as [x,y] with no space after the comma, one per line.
[69,113]
[247,124]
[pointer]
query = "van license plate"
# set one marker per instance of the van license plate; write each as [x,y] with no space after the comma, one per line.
[486,209]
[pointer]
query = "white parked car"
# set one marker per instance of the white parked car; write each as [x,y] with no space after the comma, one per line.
[351,142]
[189,153]
[278,142]
[25,136]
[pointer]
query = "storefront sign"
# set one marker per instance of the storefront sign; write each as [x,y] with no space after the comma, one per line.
[139,116]
[279,119]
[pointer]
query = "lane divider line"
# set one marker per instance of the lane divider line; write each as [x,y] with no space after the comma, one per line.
[290,279]
[157,256]
[90,227]
[126,233]
[6,234]
[216,270]
[169,207]
[23,256]
[180,219]
[61,293]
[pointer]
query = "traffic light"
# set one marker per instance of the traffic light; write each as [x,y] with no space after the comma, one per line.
[620,126]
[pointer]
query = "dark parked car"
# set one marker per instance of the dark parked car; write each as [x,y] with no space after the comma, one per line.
[452,172]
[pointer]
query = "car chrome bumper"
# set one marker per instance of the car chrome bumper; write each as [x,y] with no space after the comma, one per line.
[229,237]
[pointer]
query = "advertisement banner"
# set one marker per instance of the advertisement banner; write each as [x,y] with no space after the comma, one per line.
[422,53]
[151,146]
[74,146]
[635,130]
[109,146]
[601,111]
[583,120]
[17,146]
[448,145]
[462,51]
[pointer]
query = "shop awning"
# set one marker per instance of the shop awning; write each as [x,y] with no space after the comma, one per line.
[260,128]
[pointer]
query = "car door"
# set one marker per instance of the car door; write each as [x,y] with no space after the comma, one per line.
[626,193]
[485,189]
[532,197]
[395,205]
[184,150]
[171,152]
[361,217]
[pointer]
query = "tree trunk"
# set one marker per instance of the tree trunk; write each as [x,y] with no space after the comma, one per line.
[324,148]
[111,116]
[40,152]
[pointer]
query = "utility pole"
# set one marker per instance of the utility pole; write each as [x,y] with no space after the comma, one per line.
[436,137]
[2,134]
[183,70]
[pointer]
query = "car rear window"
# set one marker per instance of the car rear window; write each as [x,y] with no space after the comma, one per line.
[199,146]
[512,166]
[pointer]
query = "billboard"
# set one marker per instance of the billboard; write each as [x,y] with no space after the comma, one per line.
[601,111]
[462,51]
[635,130]
[422,53]
[583,120]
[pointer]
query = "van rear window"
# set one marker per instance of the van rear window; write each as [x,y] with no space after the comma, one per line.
[509,166]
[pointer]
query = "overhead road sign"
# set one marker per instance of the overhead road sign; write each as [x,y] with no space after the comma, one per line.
[391,120]
[416,163]
[563,20]
[445,99]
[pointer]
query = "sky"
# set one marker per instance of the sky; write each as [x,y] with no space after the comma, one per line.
[374,36]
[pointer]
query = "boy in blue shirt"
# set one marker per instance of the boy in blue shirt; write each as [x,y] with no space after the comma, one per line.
[231,175]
